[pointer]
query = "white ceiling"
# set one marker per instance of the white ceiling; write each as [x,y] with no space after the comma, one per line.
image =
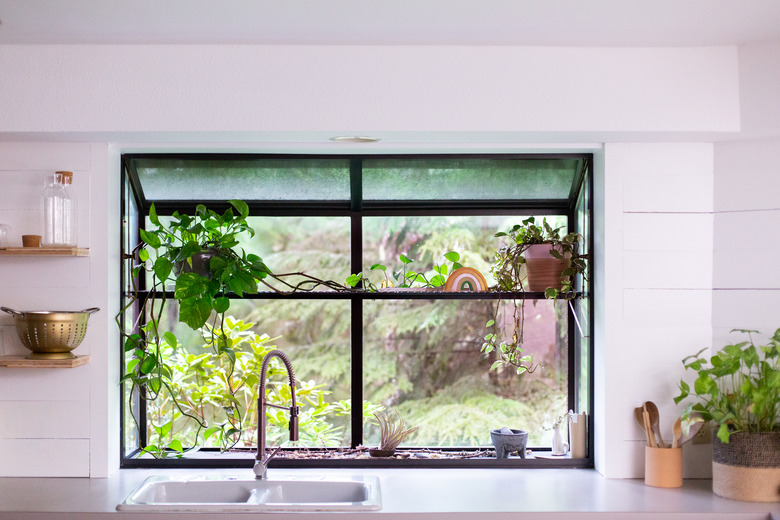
[393,22]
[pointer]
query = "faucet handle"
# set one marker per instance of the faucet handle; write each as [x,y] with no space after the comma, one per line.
[294,423]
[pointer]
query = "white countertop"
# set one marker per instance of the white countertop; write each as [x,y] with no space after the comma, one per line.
[460,494]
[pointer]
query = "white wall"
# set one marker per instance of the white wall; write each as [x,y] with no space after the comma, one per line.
[55,422]
[747,239]
[747,206]
[648,317]
[231,88]
[656,291]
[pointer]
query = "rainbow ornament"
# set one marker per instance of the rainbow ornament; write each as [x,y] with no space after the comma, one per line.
[466,279]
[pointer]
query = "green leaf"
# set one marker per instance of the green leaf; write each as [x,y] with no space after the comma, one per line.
[154,385]
[221,304]
[175,445]
[210,431]
[148,364]
[405,259]
[452,256]
[170,339]
[162,268]
[241,207]
[490,323]
[143,255]
[131,342]
[495,365]
[723,433]
[153,216]
[151,239]
[354,279]
[194,312]
[438,281]
[190,285]
[378,266]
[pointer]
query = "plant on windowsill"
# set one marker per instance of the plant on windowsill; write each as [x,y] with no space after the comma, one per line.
[551,263]
[392,432]
[738,389]
[407,279]
[199,254]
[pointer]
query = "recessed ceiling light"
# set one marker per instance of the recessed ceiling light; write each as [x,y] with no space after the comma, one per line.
[354,139]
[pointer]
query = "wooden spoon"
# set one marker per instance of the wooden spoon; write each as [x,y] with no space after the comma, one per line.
[648,427]
[655,420]
[640,420]
[677,429]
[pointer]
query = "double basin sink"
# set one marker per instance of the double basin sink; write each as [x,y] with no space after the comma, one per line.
[204,494]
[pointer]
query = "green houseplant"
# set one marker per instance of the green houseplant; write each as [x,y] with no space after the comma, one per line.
[738,389]
[406,278]
[560,262]
[199,256]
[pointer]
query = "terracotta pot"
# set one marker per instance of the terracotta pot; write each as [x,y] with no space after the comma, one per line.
[544,270]
[748,467]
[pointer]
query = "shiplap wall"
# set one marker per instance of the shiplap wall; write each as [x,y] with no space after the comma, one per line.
[657,231]
[54,421]
[747,239]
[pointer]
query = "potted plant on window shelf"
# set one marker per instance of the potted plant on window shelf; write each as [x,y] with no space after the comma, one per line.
[406,278]
[392,432]
[201,257]
[541,259]
[738,389]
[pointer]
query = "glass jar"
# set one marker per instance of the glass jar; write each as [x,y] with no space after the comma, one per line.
[59,210]
[5,235]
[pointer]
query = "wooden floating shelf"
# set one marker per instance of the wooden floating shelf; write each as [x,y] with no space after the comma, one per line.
[44,251]
[23,362]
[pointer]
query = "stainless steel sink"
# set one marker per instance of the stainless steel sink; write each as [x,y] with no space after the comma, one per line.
[358,493]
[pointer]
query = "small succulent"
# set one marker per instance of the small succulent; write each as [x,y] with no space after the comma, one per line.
[392,429]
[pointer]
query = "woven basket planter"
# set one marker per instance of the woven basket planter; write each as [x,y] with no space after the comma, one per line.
[748,467]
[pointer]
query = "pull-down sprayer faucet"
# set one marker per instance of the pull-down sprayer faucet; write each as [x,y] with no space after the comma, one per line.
[261,461]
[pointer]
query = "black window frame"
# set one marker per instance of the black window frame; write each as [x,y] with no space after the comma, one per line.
[355,209]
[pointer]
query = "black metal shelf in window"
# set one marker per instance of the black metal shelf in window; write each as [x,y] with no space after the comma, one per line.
[389,294]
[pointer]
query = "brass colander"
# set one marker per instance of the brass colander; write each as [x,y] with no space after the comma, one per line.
[51,334]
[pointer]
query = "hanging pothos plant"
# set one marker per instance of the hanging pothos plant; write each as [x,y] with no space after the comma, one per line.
[509,270]
[169,255]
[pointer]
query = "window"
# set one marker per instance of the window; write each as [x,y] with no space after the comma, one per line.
[415,351]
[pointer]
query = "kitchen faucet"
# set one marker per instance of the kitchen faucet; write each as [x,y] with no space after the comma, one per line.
[261,461]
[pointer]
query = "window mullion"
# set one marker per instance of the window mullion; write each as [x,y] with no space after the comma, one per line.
[356,304]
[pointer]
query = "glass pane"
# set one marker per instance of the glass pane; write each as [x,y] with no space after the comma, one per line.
[425,241]
[245,179]
[468,178]
[318,246]
[216,391]
[423,359]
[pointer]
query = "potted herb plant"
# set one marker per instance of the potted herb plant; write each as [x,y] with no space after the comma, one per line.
[738,389]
